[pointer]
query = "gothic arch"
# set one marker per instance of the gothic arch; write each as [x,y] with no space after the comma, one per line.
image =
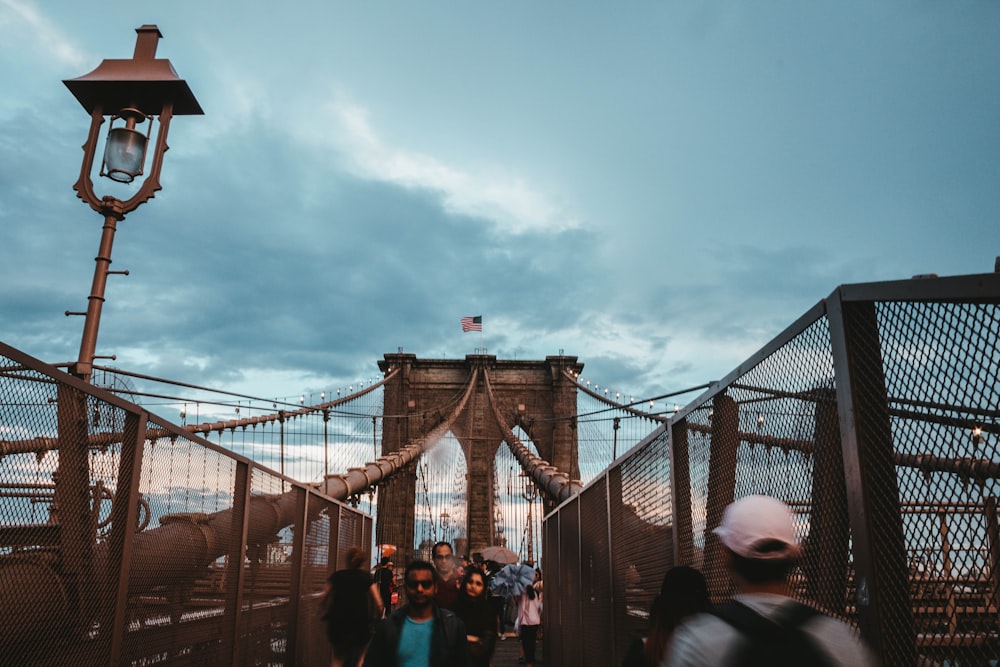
[534,395]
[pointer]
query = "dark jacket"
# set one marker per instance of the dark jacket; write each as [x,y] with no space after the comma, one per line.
[480,618]
[448,645]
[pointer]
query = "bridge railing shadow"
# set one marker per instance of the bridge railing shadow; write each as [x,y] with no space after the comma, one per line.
[125,539]
[874,416]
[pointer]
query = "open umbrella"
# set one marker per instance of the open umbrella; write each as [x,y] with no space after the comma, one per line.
[498,554]
[513,579]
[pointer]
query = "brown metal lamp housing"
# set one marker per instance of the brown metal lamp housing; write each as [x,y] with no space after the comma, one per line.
[133,91]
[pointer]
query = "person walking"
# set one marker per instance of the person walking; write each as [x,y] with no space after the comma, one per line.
[763,624]
[449,576]
[529,618]
[384,580]
[683,593]
[349,599]
[479,616]
[419,632]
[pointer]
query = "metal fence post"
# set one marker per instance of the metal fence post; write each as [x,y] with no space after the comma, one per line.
[885,613]
[296,562]
[993,531]
[721,487]
[680,494]
[827,552]
[76,521]
[124,519]
[235,576]
[610,573]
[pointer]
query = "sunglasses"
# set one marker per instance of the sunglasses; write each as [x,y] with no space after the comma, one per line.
[420,583]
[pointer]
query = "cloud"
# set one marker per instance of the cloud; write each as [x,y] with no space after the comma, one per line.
[26,29]
[659,192]
[509,203]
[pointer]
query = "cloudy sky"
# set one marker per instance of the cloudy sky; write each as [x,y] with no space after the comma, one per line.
[656,187]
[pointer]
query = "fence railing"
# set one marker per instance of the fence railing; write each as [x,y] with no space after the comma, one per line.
[876,417]
[127,540]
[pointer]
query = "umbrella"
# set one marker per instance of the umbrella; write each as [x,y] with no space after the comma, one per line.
[387,549]
[513,579]
[501,555]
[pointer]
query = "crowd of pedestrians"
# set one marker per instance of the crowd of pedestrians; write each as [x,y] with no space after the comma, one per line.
[450,618]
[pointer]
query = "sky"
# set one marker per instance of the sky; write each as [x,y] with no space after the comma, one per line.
[656,187]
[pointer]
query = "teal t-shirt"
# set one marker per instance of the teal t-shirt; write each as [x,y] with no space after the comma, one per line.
[415,643]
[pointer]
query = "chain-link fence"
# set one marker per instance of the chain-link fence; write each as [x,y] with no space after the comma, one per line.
[127,540]
[875,417]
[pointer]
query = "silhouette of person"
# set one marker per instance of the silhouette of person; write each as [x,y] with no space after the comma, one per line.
[347,615]
[683,593]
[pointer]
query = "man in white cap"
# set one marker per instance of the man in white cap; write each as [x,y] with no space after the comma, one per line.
[763,624]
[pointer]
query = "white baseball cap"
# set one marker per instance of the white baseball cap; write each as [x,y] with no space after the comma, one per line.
[759,528]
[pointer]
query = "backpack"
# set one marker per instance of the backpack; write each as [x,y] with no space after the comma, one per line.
[773,642]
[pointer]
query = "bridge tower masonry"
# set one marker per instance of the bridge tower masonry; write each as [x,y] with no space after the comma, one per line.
[534,395]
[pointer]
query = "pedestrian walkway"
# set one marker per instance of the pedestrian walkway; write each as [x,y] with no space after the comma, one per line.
[508,650]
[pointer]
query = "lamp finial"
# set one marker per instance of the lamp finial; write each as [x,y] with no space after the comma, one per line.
[145,43]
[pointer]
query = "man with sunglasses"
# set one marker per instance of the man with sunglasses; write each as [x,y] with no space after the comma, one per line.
[419,634]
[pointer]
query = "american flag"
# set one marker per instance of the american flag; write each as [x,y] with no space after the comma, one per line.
[472,323]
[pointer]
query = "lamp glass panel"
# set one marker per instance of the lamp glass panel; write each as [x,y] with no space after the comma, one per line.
[123,154]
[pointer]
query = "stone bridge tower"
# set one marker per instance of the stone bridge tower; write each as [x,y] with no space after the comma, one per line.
[534,395]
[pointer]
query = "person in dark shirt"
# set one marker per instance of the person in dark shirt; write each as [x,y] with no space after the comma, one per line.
[346,599]
[683,593]
[449,576]
[384,580]
[479,616]
[420,632]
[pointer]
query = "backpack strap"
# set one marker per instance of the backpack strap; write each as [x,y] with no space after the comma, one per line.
[784,630]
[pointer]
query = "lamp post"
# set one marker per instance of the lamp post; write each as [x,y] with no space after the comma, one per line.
[529,493]
[131,93]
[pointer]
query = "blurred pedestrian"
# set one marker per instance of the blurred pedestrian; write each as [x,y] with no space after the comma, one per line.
[763,624]
[529,618]
[449,576]
[350,599]
[682,594]
[384,579]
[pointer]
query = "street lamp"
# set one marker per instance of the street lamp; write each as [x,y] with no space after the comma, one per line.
[131,93]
